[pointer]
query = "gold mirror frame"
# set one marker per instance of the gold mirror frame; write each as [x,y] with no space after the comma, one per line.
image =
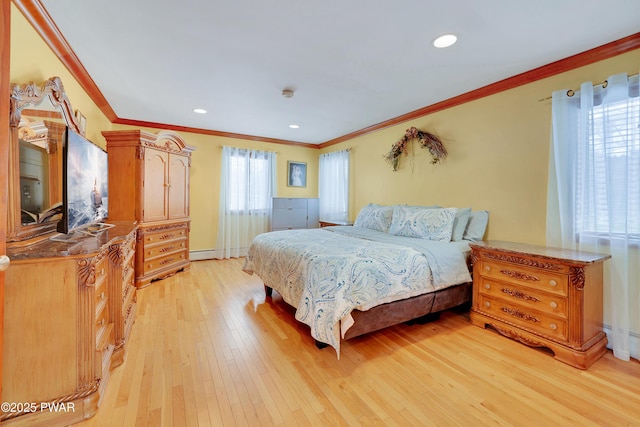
[21,97]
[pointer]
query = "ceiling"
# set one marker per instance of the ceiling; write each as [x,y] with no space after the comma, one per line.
[351,64]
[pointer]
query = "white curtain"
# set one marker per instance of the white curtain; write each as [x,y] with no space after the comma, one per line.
[594,194]
[333,186]
[247,185]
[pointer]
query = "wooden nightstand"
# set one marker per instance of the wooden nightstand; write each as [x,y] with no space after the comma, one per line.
[542,297]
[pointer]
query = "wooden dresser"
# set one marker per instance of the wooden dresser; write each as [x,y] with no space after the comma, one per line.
[68,310]
[149,183]
[542,297]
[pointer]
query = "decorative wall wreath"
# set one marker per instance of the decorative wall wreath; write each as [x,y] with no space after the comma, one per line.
[426,139]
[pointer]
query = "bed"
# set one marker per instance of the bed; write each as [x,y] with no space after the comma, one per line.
[395,264]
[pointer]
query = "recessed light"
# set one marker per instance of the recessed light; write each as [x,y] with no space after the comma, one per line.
[445,40]
[294,126]
[200,110]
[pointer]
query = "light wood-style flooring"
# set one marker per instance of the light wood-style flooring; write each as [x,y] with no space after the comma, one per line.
[208,350]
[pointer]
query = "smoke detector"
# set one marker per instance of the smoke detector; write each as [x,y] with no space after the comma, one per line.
[287,93]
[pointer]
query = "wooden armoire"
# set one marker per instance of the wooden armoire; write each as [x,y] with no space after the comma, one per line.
[149,183]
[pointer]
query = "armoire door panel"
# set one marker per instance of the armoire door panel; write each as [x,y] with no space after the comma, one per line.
[178,187]
[156,171]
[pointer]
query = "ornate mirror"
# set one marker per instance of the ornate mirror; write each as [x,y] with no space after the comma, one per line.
[38,117]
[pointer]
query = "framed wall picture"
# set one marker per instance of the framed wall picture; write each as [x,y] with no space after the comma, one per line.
[297,174]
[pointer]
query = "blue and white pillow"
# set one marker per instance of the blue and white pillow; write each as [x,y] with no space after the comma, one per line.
[423,223]
[375,217]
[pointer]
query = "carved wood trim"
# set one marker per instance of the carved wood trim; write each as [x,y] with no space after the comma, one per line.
[519,275]
[576,277]
[529,262]
[520,295]
[86,327]
[31,94]
[520,315]
[86,272]
[166,227]
[510,333]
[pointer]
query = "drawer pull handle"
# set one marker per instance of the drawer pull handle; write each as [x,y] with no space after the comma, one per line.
[520,315]
[487,304]
[553,304]
[101,322]
[487,286]
[487,268]
[553,326]
[553,282]
[520,295]
[519,275]
[102,295]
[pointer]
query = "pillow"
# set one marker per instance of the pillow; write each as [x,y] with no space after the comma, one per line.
[460,224]
[476,226]
[375,217]
[423,223]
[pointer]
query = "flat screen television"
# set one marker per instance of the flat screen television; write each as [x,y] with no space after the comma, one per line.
[85,183]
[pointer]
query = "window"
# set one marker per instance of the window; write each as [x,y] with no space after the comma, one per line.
[608,171]
[248,185]
[333,187]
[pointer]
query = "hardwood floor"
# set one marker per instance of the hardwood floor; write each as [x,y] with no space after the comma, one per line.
[207,350]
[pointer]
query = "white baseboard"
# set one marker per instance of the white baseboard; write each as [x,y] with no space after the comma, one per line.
[203,255]
[211,254]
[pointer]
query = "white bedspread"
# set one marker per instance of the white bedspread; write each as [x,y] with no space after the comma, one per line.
[326,273]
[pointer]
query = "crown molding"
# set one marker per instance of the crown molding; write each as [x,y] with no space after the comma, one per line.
[140,123]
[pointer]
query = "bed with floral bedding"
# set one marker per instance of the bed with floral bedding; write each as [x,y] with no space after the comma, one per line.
[396,263]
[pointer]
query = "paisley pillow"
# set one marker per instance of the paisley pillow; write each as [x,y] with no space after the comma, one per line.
[375,217]
[423,223]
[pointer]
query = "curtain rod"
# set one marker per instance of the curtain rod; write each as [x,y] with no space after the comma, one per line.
[572,92]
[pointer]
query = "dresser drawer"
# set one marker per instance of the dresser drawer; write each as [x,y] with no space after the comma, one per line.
[165,261]
[102,322]
[556,305]
[547,281]
[165,248]
[289,218]
[164,236]
[101,293]
[100,271]
[104,350]
[537,322]
[290,203]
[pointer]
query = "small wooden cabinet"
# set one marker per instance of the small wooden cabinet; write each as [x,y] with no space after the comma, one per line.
[65,325]
[542,297]
[149,183]
[334,223]
[294,212]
